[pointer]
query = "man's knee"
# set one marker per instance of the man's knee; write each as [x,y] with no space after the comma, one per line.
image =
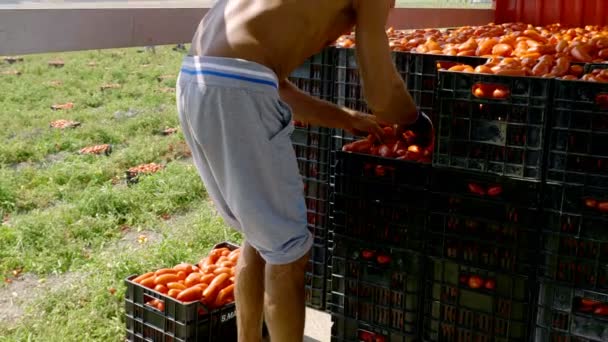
[250,257]
[290,270]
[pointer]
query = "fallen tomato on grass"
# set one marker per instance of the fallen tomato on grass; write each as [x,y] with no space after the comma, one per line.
[61,124]
[63,106]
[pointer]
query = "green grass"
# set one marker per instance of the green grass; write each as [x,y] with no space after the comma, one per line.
[66,216]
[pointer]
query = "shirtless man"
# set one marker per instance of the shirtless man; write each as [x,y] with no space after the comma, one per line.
[236,108]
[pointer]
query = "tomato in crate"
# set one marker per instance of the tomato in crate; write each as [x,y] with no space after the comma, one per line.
[464,303]
[348,91]
[159,307]
[484,221]
[422,80]
[390,208]
[375,291]
[570,314]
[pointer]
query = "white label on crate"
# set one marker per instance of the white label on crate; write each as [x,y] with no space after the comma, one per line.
[228,316]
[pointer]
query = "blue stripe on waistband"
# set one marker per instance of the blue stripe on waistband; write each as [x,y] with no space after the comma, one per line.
[227,75]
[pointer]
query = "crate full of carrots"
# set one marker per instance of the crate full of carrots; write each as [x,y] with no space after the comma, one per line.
[187,302]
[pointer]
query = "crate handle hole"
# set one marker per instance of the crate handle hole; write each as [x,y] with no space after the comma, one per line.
[155,303]
[491,91]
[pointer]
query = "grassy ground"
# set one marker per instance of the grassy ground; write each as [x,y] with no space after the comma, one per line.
[72,230]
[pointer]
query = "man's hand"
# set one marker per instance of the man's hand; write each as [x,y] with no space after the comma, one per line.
[363,124]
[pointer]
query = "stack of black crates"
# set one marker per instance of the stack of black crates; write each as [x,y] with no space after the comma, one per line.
[312,148]
[573,269]
[504,238]
[485,210]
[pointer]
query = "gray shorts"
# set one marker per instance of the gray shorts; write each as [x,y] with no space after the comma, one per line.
[239,132]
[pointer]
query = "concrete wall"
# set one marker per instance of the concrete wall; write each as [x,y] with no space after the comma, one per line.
[24,31]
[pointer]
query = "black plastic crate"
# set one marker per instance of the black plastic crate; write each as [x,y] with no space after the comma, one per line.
[389,208]
[500,136]
[422,81]
[346,329]
[484,221]
[377,178]
[575,237]
[567,314]
[316,75]
[179,321]
[579,134]
[348,91]
[311,145]
[379,287]
[461,306]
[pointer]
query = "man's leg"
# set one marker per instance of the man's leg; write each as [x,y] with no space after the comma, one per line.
[249,294]
[284,301]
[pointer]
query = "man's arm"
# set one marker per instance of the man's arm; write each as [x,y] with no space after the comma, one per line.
[322,113]
[383,87]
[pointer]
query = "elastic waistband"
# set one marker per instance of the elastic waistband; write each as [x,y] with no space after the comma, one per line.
[229,72]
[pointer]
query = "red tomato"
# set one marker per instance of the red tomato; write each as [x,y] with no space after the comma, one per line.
[464,279]
[367,254]
[490,284]
[475,282]
[359,146]
[476,189]
[401,153]
[400,145]
[383,259]
[500,93]
[385,151]
[589,302]
[414,149]
[366,336]
[380,171]
[601,310]
[603,207]
[374,151]
[413,153]
[495,191]
[409,137]
[591,203]
[478,92]
[389,135]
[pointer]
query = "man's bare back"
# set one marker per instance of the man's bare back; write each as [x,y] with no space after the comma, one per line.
[279,34]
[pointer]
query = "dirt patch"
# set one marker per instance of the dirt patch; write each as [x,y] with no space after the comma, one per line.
[137,239]
[56,157]
[25,289]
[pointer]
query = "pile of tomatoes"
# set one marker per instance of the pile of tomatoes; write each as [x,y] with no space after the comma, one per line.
[145,168]
[401,146]
[211,281]
[61,124]
[513,49]
[586,45]
[97,149]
